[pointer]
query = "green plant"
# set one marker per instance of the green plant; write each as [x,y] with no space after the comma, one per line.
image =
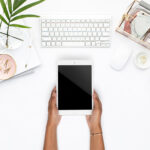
[12,12]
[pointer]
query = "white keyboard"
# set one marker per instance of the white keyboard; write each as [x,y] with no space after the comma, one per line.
[57,33]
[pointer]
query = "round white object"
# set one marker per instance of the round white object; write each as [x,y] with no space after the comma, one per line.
[142,60]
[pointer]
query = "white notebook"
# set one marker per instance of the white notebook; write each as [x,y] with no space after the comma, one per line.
[26,56]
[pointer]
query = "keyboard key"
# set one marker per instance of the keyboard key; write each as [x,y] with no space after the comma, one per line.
[45,33]
[50,29]
[64,38]
[92,39]
[59,38]
[107,44]
[89,29]
[54,38]
[65,29]
[68,38]
[103,45]
[97,39]
[89,33]
[55,29]
[48,25]
[99,33]
[53,21]
[56,33]
[43,44]
[46,38]
[74,44]
[104,38]
[88,43]
[106,24]
[106,33]
[61,33]
[94,33]
[93,29]
[95,25]
[103,29]
[43,20]
[60,29]
[44,29]
[53,25]
[100,25]
[58,25]
[84,33]
[51,33]
[91,25]
[66,34]
[107,29]
[58,43]
[93,43]
[53,43]
[48,44]
[87,38]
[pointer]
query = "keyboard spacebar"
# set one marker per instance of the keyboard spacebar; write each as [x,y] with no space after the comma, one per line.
[72,44]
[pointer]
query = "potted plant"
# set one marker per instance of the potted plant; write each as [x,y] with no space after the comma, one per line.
[12,12]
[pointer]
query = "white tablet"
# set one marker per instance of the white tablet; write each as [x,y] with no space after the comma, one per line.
[74,87]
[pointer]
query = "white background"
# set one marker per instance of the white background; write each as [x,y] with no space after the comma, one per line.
[125,94]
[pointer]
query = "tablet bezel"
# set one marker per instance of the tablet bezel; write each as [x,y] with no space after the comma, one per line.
[74,62]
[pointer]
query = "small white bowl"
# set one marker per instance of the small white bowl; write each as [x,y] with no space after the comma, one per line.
[142,60]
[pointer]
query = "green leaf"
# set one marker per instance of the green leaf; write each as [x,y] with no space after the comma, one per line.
[27,7]
[18,3]
[3,19]
[19,26]
[4,8]
[23,16]
[1,24]
[9,6]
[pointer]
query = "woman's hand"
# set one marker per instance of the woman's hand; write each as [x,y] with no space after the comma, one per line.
[53,121]
[95,119]
[53,116]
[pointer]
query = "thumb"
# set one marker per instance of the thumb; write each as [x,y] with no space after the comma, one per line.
[53,92]
[96,100]
[87,117]
[53,102]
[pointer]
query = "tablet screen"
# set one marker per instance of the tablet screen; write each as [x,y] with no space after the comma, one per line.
[74,87]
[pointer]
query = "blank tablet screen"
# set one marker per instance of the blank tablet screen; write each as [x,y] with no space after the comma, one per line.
[74,87]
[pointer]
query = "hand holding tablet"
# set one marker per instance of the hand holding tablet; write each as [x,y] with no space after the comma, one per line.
[74,87]
[93,120]
[53,117]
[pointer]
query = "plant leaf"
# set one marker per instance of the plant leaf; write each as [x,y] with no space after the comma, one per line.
[23,16]
[3,19]
[1,24]
[19,26]
[27,7]
[9,6]
[18,3]
[4,9]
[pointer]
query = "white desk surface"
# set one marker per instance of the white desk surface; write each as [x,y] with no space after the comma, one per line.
[125,94]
